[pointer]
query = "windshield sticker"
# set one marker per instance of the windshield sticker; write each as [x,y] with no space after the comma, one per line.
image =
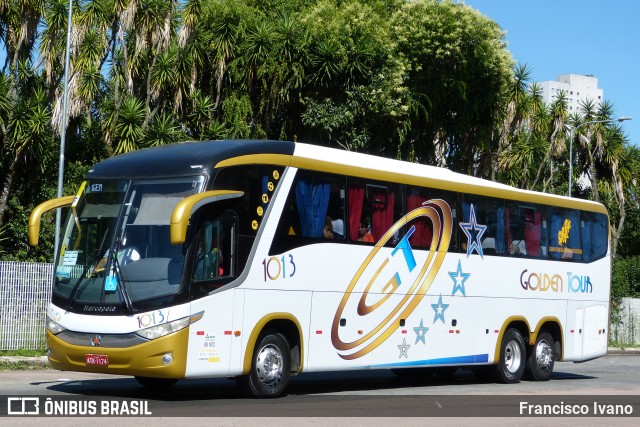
[70,258]
[111,283]
[63,272]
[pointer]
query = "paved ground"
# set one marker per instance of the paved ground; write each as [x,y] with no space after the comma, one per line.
[42,360]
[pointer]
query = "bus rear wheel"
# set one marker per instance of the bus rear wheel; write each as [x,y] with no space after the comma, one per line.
[513,354]
[270,367]
[540,362]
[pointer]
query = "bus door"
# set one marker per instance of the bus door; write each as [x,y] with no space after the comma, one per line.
[212,266]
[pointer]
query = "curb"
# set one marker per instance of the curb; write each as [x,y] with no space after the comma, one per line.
[34,360]
[624,351]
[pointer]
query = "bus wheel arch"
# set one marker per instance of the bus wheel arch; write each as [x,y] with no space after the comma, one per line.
[277,338]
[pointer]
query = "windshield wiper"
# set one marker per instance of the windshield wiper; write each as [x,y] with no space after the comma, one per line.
[83,278]
[122,286]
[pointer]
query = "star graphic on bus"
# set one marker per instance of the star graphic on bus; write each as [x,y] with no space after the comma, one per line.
[474,232]
[459,278]
[420,332]
[404,348]
[439,309]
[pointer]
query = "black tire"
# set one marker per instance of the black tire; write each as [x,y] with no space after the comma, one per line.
[513,357]
[157,383]
[270,367]
[540,361]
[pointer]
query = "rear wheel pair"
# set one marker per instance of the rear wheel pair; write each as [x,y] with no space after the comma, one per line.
[514,363]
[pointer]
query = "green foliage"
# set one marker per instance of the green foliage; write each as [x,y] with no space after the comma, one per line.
[426,80]
[625,282]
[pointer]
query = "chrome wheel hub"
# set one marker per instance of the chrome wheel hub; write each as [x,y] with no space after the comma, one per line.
[512,357]
[269,364]
[544,355]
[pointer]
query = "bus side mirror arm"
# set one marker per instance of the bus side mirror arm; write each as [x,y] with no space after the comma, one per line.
[41,209]
[185,207]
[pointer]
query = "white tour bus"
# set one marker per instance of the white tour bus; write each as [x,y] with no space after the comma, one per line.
[256,260]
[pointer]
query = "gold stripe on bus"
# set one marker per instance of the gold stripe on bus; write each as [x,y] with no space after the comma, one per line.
[447,185]
[420,181]
[256,159]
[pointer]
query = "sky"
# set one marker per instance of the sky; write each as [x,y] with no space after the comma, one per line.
[577,37]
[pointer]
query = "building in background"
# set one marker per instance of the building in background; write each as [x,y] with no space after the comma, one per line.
[578,88]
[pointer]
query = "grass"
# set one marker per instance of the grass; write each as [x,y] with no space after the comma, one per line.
[22,365]
[29,353]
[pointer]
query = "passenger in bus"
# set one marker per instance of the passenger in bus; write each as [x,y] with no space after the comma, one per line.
[518,248]
[338,228]
[364,235]
[208,265]
[327,230]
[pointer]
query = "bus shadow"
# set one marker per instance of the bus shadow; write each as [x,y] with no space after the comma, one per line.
[302,385]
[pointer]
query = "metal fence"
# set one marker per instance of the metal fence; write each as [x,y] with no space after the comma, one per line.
[25,289]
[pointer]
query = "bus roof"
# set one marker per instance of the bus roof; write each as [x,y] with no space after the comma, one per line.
[191,158]
[183,159]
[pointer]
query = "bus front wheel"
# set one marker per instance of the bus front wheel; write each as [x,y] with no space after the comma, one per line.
[512,359]
[270,367]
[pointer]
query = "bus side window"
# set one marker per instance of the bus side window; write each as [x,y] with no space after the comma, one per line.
[314,211]
[482,225]
[526,234]
[373,209]
[594,235]
[422,236]
[564,234]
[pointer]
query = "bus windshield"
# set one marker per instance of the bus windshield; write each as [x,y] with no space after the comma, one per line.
[116,248]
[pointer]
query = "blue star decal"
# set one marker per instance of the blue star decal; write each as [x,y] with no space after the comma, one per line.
[459,278]
[474,233]
[439,309]
[420,332]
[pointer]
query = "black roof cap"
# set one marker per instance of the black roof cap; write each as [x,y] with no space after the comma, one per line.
[178,159]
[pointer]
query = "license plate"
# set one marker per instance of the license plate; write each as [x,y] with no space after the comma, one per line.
[97,359]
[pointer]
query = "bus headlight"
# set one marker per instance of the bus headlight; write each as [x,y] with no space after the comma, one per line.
[53,326]
[164,329]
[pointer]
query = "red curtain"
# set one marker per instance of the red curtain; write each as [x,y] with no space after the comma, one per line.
[421,238]
[532,233]
[382,215]
[356,200]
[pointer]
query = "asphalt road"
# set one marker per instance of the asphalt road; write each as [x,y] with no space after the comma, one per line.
[609,380]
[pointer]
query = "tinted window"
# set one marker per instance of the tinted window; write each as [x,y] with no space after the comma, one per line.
[526,226]
[482,226]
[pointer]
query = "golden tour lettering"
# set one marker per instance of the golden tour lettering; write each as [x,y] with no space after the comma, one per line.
[555,282]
